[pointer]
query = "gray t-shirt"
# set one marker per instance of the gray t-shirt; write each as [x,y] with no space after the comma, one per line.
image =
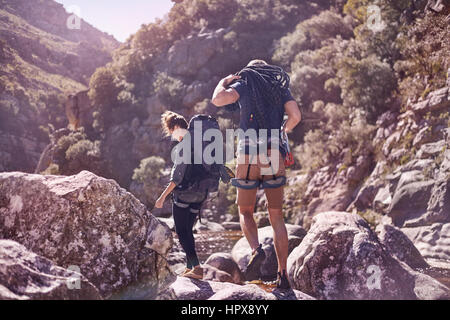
[177,173]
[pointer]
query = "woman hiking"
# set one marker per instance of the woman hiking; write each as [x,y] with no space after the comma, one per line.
[184,214]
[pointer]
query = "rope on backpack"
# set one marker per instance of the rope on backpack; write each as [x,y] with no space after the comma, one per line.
[266,83]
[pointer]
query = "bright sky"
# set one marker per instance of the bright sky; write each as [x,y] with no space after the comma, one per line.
[117,17]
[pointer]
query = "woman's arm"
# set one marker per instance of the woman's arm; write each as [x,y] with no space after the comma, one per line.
[160,202]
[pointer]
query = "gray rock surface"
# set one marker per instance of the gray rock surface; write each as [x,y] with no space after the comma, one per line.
[90,222]
[187,56]
[342,258]
[241,252]
[225,263]
[25,275]
[189,289]
[400,246]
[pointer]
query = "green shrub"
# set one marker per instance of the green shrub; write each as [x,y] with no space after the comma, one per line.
[368,84]
[53,169]
[104,89]
[149,170]
[82,151]
[170,89]
[340,130]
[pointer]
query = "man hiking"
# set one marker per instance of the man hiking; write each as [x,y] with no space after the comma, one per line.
[262,93]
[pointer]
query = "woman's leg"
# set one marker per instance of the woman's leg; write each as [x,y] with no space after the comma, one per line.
[182,225]
[194,211]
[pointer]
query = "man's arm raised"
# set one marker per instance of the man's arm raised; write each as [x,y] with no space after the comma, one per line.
[223,96]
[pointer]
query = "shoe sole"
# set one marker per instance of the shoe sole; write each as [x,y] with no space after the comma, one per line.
[193,276]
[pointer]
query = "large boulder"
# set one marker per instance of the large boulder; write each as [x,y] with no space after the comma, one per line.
[400,246]
[432,241]
[225,263]
[189,289]
[342,258]
[241,252]
[410,201]
[90,222]
[25,275]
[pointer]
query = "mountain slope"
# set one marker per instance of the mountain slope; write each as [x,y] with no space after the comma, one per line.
[41,61]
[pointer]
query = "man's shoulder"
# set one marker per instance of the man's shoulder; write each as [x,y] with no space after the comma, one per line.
[240,86]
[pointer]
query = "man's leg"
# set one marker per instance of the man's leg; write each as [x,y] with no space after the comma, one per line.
[248,226]
[246,200]
[275,206]
[280,237]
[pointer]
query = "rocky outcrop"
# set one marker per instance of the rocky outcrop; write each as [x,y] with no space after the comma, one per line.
[332,187]
[41,60]
[342,258]
[241,252]
[79,110]
[187,56]
[221,266]
[412,184]
[429,228]
[437,6]
[188,289]
[436,100]
[25,275]
[400,246]
[234,226]
[89,222]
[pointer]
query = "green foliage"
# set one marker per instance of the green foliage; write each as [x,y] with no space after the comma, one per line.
[104,89]
[424,47]
[310,71]
[179,21]
[151,39]
[168,88]
[310,34]
[338,132]
[216,13]
[75,152]
[149,170]
[82,151]
[53,169]
[380,43]
[367,83]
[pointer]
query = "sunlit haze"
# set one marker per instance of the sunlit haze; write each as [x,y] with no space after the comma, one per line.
[119,18]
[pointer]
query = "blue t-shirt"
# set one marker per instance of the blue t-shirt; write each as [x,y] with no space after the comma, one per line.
[248,120]
[274,115]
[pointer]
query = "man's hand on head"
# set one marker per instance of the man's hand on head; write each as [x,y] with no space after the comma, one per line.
[222,95]
[229,79]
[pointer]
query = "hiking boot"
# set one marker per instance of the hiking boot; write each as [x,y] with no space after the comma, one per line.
[283,281]
[254,265]
[185,271]
[196,273]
